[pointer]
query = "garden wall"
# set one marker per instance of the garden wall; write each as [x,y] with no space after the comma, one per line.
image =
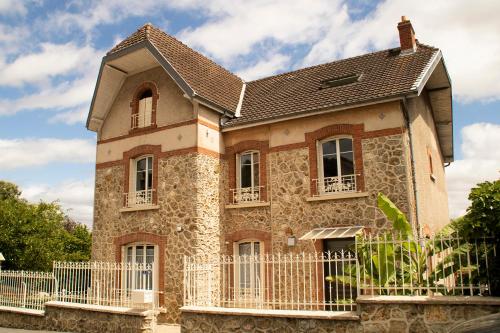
[66,317]
[378,314]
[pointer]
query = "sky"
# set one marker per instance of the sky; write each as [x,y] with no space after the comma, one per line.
[50,53]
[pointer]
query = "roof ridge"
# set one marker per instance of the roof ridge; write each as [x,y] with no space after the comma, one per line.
[335,61]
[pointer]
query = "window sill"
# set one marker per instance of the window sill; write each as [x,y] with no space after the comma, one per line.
[247,205]
[138,208]
[338,196]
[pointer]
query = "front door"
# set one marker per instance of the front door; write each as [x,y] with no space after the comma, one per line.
[339,296]
[140,273]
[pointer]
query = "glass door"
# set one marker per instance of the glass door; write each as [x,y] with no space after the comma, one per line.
[249,270]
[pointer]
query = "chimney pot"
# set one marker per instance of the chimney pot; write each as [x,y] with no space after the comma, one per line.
[406,36]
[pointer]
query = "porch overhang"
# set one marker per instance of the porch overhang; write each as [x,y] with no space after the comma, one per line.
[332,233]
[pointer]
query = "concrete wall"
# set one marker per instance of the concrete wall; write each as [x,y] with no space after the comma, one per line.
[79,318]
[432,194]
[376,315]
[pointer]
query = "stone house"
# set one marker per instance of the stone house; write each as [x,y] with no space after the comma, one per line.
[193,160]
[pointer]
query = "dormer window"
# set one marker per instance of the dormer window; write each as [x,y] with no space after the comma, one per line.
[144,106]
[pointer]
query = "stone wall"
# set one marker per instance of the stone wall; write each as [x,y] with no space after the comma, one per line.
[79,318]
[188,197]
[376,315]
[385,165]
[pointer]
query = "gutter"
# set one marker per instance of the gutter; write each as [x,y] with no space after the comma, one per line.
[412,161]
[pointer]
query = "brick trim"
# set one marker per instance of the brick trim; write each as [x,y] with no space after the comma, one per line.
[208,124]
[262,236]
[134,104]
[138,151]
[146,237]
[290,146]
[165,154]
[356,131]
[263,148]
[383,132]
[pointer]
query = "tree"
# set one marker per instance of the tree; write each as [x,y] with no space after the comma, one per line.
[482,221]
[32,236]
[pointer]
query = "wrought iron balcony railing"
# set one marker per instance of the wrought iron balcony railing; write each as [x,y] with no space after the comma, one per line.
[138,199]
[140,120]
[246,195]
[332,185]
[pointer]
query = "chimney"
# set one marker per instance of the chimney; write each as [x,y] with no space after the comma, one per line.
[406,36]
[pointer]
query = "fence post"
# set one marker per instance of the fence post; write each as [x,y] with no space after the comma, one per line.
[23,284]
[358,279]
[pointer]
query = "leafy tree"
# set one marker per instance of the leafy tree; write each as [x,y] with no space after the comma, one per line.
[32,236]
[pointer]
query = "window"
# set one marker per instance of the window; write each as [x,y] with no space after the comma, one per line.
[142,194]
[249,273]
[336,166]
[248,177]
[143,117]
[140,275]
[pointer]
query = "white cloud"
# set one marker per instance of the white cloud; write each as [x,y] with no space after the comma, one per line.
[20,153]
[234,29]
[67,94]
[71,117]
[12,7]
[270,65]
[75,197]
[52,60]
[481,162]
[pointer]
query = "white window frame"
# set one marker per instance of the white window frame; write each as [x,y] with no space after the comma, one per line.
[133,275]
[258,297]
[252,166]
[319,157]
[134,172]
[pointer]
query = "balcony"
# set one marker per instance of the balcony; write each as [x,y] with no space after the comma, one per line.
[247,197]
[333,185]
[139,200]
[142,119]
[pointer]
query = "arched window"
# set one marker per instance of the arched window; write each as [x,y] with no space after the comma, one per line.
[141,194]
[248,177]
[336,165]
[143,116]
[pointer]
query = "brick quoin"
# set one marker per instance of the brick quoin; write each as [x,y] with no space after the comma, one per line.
[263,148]
[146,238]
[134,104]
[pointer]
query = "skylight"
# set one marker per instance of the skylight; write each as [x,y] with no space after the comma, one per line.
[340,81]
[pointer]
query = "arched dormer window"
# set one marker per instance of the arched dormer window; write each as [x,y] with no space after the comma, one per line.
[144,106]
[336,165]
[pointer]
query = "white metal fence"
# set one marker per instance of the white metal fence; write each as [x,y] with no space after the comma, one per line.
[383,265]
[138,198]
[441,265]
[107,283]
[24,289]
[281,281]
[246,194]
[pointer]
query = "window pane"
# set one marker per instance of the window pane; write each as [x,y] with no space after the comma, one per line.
[246,159]
[141,164]
[246,176]
[346,163]
[330,166]
[150,179]
[244,249]
[329,147]
[345,145]
[256,248]
[255,157]
[129,254]
[256,174]
[139,255]
[150,163]
[140,182]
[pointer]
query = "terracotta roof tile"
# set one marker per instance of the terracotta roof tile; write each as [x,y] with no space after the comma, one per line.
[382,75]
[205,77]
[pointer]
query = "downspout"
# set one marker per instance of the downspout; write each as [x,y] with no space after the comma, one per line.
[412,161]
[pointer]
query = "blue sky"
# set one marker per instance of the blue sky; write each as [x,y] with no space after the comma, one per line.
[50,52]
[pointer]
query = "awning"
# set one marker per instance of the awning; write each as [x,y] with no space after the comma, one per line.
[328,233]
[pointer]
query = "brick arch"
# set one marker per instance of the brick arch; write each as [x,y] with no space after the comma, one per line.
[135,152]
[356,131]
[149,238]
[134,104]
[263,236]
[262,147]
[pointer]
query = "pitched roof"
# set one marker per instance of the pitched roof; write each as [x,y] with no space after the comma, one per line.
[207,79]
[382,75]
